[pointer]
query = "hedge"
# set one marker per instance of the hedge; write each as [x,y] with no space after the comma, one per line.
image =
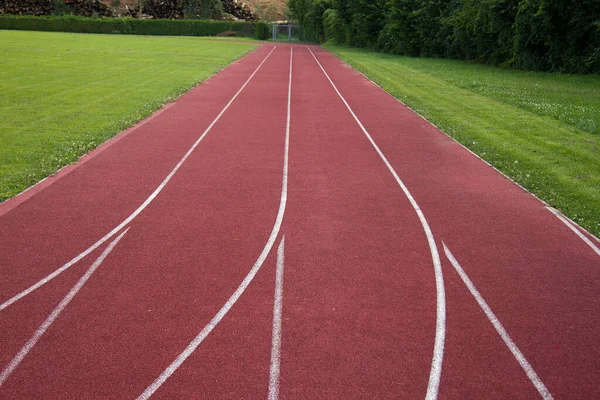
[541,35]
[131,26]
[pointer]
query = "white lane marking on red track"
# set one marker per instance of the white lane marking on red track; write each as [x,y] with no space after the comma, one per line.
[277,312]
[440,331]
[56,312]
[533,377]
[574,229]
[139,209]
[479,157]
[247,280]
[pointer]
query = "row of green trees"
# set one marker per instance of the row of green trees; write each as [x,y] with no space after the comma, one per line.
[543,35]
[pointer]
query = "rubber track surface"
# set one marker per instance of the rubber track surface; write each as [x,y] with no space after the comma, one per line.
[359,290]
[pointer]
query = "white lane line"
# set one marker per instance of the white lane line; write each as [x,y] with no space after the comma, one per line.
[253,271]
[574,229]
[139,209]
[277,312]
[533,377]
[440,330]
[56,312]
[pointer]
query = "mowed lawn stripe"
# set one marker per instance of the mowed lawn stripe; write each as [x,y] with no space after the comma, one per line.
[61,94]
[549,156]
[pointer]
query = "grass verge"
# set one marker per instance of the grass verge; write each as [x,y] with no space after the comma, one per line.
[63,94]
[540,129]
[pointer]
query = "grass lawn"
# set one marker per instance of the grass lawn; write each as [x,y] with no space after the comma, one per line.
[541,129]
[63,94]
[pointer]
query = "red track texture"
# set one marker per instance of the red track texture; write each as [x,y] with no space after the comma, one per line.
[359,290]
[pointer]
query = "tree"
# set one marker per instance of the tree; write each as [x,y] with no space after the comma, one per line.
[558,35]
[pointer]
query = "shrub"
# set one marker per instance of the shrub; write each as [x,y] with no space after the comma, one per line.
[557,35]
[60,8]
[334,28]
[262,30]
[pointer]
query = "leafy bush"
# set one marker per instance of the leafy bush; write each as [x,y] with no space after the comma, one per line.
[314,20]
[262,30]
[548,35]
[334,28]
[61,8]
[559,35]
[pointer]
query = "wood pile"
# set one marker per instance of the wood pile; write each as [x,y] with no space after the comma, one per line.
[239,10]
[168,9]
[86,8]
[27,7]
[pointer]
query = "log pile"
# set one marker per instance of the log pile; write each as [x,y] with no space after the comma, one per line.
[86,8]
[168,9]
[239,10]
[28,7]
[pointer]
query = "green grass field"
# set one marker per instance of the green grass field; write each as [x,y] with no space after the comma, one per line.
[63,94]
[541,129]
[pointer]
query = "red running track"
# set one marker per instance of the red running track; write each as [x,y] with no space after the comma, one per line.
[181,300]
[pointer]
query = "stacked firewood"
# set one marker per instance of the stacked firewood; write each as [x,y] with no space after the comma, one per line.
[28,7]
[169,9]
[239,10]
[88,8]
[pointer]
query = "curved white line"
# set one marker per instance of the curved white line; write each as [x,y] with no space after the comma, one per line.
[139,209]
[277,313]
[253,271]
[14,363]
[533,377]
[440,330]
[574,229]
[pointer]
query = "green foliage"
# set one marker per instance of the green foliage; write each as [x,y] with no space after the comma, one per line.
[559,35]
[160,27]
[60,8]
[484,31]
[299,9]
[401,33]
[262,30]
[334,28]
[547,35]
[313,21]
[367,20]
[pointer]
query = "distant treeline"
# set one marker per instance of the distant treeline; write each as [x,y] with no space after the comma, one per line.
[541,35]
